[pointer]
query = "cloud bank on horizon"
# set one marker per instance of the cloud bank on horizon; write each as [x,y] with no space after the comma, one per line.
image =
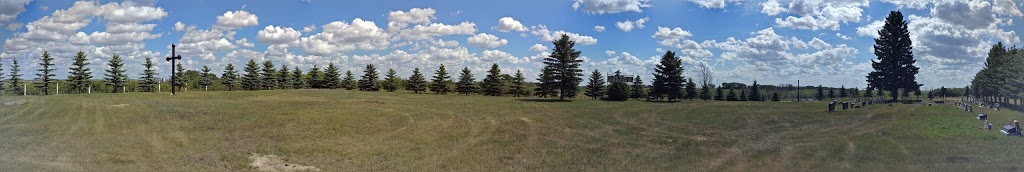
[772,41]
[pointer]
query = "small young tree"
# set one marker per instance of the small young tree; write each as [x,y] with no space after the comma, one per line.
[842,92]
[369,80]
[467,83]
[595,87]
[206,78]
[115,76]
[742,95]
[731,96]
[519,85]
[755,94]
[719,96]
[821,93]
[148,81]
[775,96]
[229,78]
[269,81]
[691,90]
[15,77]
[391,82]
[930,96]
[440,84]
[705,92]
[283,77]
[180,77]
[251,79]
[492,84]
[45,73]
[831,93]
[296,77]
[637,89]
[349,82]
[416,83]
[79,75]
[331,78]
[316,78]
[546,85]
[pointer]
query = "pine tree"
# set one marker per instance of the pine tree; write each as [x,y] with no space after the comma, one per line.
[206,78]
[115,76]
[316,79]
[45,73]
[229,78]
[416,82]
[369,80]
[705,92]
[466,84]
[595,87]
[296,77]
[269,81]
[930,96]
[180,77]
[637,90]
[668,78]
[718,94]
[691,90]
[391,82]
[618,91]
[842,92]
[821,93]
[79,75]
[148,81]
[332,76]
[895,68]
[731,96]
[492,83]
[775,97]
[546,85]
[283,77]
[742,95]
[15,77]
[831,93]
[251,79]
[563,67]
[519,85]
[441,81]
[867,92]
[755,94]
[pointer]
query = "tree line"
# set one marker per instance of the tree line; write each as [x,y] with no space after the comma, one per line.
[1002,78]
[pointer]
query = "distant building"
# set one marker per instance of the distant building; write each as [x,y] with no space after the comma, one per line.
[619,78]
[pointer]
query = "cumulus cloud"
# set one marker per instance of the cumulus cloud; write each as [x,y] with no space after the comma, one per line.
[422,32]
[610,6]
[807,23]
[772,7]
[237,19]
[815,15]
[712,3]
[628,25]
[340,36]
[278,35]
[538,48]
[10,9]
[599,28]
[871,29]
[484,40]
[507,24]
[401,19]
[543,33]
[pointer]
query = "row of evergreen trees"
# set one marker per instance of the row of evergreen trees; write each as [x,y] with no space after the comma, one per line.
[1002,78]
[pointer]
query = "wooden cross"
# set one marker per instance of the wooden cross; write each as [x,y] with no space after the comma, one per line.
[173,58]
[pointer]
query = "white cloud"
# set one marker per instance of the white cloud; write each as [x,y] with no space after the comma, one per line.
[544,34]
[671,37]
[422,32]
[807,23]
[340,36]
[844,37]
[537,48]
[10,9]
[628,25]
[309,28]
[401,19]
[772,7]
[599,28]
[819,44]
[278,35]
[237,19]
[712,3]
[970,14]
[611,6]
[507,24]
[484,40]
[1006,7]
[871,29]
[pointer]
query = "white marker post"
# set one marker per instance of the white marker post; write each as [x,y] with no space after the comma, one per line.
[58,89]
[90,89]
[24,90]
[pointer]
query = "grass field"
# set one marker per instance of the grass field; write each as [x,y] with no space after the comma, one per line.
[337,130]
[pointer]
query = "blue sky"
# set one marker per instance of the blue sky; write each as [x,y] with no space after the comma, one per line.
[774,41]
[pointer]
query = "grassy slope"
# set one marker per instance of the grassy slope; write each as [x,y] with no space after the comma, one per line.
[349,130]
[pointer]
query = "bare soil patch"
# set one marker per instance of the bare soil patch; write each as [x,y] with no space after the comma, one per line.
[274,163]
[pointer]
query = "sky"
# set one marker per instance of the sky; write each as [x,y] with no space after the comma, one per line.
[819,42]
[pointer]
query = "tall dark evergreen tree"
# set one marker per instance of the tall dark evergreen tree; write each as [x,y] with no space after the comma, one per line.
[775,96]
[731,96]
[563,67]
[251,78]
[466,84]
[821,93]
[546,85]
[637,90]
[743,95]
[705,92]
[148,82]
[518,85]
[416,83]
[755,93]
[867,92]
[842,92]
[268,78]
[595,87]
[691,90]
[831,93]
[895,68]
[115,76]
[331,78]
[492,84]
[315,78]
[369,80]
[297,78]
[79,75]
[45,74]
[349,82]
[391,82]
[229,78]
[719,96]
[206,78]
[440,83]
[283,76]
[668,78]
[15,77]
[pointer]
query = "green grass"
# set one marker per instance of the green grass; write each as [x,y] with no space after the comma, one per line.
[337,130]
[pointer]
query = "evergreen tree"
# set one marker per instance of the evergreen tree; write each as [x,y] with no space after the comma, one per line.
[391,82]
[775,97]
[316,79]
[691,90]
[229,78]
[842,92]
[731,96]
[668,78]
[895,68]
[930,96]
[79,75]
[332,76]
[269,81]
[148,82]
[742,95]
[251,79]
[821,93]
[595,87]
[466,84]
[15,77]
[284,80]
[180,77]
[917,93]
[45,73]
[867,92]
[718,94]
[705,92]
[115,77]
[831,93]
[546,85]
[369,80]
[519,85]
[296,77]
[492,83]
[637,89]
[416,82]
[618,91]
[755,94]
[440,84]
[206,78]
[563,69]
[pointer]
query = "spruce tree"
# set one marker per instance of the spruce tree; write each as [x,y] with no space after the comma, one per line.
[895,68]
[492,84]
[691,90]
[296,77]
[391,81]
[821,93]
[618,91]
[775,96]
[441,81]
[719,96]
[79,75]
[268,80]
[731,96]
[563,69]
[930,96]
[16,77]
[519,85]
[416,82]
[283,76]
[755,93]
[148,81]
[637,89]
[546,85]
[668,78]
[867,92]
[229,78]
[369,80]
[115,76]
[206,78]
[45,73]
[332,78]
[842,92]
[467,83]
[742,95]
[705,92]
[251,78]
[831,93]
[180,77]
[316,79]
[595,87]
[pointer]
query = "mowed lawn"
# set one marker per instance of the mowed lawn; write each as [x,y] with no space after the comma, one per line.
[339,130]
